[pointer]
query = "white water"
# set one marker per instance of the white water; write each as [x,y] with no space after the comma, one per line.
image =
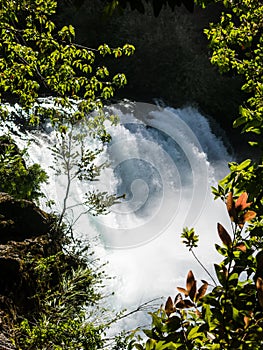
[165,161]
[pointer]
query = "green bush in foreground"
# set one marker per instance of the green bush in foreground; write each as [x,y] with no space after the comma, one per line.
[16,178]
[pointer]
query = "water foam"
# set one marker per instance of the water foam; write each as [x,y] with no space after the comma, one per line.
[164,160]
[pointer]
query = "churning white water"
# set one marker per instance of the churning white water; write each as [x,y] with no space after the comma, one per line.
[164,160]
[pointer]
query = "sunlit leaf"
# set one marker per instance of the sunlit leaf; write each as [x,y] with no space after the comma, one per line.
[241,246]
[241,202]
[247,320]
[249,215]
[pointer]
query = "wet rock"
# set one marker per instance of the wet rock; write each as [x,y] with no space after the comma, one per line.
[21,219]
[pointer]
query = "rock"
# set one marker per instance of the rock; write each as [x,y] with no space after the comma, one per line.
[21,219]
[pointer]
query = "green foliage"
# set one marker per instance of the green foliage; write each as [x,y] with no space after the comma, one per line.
[16,178]
[190,239]
[65,289]
[77,162]
[236,44]
[229,316]
[50,333]
[37,58]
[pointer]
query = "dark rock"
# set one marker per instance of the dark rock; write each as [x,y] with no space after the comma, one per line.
[21,219]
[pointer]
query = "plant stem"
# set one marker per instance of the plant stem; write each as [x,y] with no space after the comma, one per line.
[202,265]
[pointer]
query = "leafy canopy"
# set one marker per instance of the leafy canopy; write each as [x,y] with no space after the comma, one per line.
[237,48]
[16,178]
[38,59]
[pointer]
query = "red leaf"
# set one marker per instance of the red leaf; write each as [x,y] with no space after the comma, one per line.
[190,280]
[241,246]
[177,299]
[241,202]
[188,303]
[185,304]
[192,292]
[247,320]
[224,236]
[169,307]
[201,291]
[249,215]
[182,290]
[231,207]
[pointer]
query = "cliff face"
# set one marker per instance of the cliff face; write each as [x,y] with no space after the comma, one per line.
[171,61]
[25,232]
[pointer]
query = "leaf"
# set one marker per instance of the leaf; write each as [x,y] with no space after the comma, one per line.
[259,287]
[224,235]
[243,165]
[192,292]
[249,215]
[169,307]
[241,202]
[198,313]
[185,304]
[150,344]
[173,323]
[221,273]
[201,291]
[188,303]
[231,206]
[182,290]
[177,299]
[190,280]
[194,333]
[241,246]
[247,320]
[239,121]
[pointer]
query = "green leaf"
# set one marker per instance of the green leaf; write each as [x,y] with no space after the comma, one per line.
[194,333]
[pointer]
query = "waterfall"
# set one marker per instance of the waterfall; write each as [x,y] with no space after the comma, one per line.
[164,160]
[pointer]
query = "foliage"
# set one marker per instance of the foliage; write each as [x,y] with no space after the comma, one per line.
[236,44]
[37,58]
[77,162]
[230,315]
[16,178]
[66,287]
